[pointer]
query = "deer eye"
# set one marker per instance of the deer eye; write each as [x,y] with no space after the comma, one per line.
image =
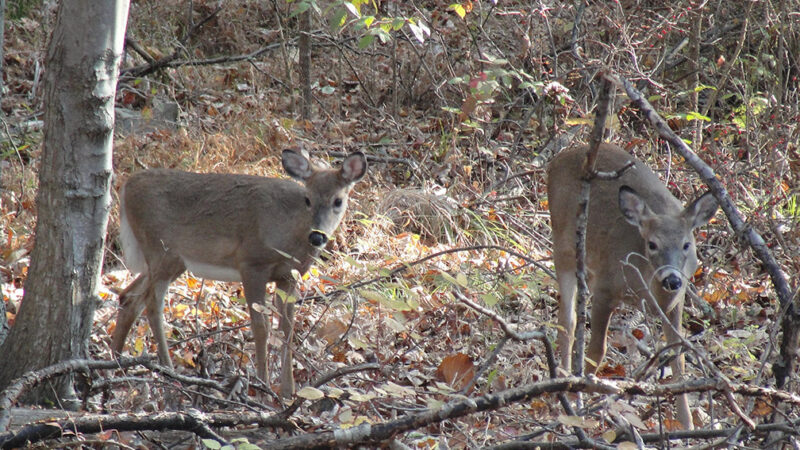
[337,203]
[308,202]
[686,246]
[652,245]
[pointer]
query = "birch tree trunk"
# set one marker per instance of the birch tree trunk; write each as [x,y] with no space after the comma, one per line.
[73,201]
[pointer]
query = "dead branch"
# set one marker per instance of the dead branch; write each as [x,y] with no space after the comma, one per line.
[787,428]
[23,384]
[195,422]
[201,424]
[589,173]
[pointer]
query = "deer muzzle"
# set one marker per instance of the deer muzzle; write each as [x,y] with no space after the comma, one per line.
[671,279]
[317,238]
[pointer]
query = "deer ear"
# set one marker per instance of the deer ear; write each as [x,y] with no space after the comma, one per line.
[296,164]
[701,210]
[632,206]
[354,167]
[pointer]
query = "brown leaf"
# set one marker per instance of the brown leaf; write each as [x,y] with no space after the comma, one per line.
[611,371]
[332,330]
[456,370]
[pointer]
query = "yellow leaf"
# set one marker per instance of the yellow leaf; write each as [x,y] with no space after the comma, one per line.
[458,9]
[310,393]
[192,282]
[138,346]
[577,421]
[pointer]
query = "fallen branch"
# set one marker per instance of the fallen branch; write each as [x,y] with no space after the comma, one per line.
[18,387]
[195,422]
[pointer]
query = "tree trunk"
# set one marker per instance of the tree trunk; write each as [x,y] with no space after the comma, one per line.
[305,62]
[2,43]
[73,201]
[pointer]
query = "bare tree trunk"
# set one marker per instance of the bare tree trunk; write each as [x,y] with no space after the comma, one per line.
[2,41]
[305,62]
[73,201]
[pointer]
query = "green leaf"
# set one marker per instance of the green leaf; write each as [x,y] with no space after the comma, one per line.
[391,303]
[337,20]
[383,35]
[458,9]
[489,299]
[300,8]
[703,87]
[212,444]
[398,23]
[697,116]
[365,41]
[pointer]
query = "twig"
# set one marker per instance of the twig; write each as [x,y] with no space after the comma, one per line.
[513,334]
[324,378]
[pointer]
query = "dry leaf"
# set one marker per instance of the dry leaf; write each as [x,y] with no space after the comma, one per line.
[456,370]
[310,393]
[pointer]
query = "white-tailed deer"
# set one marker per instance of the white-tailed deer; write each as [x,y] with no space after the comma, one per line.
[633,218]
[230,228]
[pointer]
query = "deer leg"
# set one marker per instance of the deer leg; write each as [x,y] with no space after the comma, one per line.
[286,311]
[255,291]
[165,269]
[131,303]
[602,309]
[567,286]
[679,367]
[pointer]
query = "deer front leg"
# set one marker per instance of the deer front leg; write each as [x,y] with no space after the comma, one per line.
[603,306]
[285,287]
[679,368]
[131,303]
[255,291]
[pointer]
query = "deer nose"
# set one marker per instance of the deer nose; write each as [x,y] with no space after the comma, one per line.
[317,238]
[672,282]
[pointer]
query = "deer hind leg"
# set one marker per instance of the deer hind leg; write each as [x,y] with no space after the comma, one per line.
[567,287]
[286,311]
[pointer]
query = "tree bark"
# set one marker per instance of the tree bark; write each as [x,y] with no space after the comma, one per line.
[2,43]
[73,201]
[305,63]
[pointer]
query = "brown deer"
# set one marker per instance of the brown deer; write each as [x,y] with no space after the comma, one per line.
[229,227]
[633,218]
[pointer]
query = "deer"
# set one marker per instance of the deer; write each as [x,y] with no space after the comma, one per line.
[634,225]
[229,227]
